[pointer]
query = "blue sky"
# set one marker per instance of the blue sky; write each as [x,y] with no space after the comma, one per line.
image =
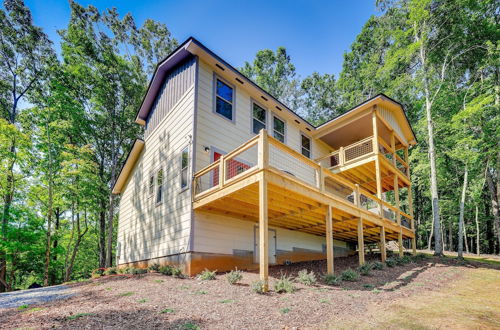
[315,33]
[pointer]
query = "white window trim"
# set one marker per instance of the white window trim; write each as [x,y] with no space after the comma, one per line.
[187,168]
[266,111]
[310,144]
[214,96]
[272,126]
[157,203]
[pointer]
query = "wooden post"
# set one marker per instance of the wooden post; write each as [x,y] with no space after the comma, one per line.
[263,233]
[361,243]
[410,205]
[341,156]
[222,171]
[377,161]
[263,150]
[320,177]
[398,214]
[329,240]
[393,146]
[383,252]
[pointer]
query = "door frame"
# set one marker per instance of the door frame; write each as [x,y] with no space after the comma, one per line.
[255,233]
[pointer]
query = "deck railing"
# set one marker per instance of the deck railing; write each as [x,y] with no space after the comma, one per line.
[265,152]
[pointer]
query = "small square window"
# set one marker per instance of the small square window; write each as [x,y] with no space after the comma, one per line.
[224,99]
[279,129]
[184,167]
[306,146]
[259,118]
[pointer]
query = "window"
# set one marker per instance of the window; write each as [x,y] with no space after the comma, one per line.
[259,118]
[151,187]
[159,186]
[305,146]
[223,99]
[279,129]
[184,167]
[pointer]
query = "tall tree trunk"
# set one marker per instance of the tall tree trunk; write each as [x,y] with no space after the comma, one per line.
[102,235]
[495,197]
[55,243]
[478,249]
[461,216]
[450,236]
[465,239]
[79,237]
[49,210]
[430,235]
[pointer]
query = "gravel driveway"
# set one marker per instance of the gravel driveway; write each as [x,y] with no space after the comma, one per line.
[35,296]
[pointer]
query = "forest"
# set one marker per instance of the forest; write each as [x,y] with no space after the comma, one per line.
[67,116]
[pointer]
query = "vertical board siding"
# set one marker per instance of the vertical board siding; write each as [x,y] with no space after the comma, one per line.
[391,119]
[176,83]
[217,234]
[147,230]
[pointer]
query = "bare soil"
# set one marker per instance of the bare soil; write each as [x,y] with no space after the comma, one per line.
[156,301]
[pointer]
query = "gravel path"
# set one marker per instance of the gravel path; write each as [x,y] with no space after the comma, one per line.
[35,296]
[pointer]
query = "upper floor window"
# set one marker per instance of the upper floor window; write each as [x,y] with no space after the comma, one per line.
[258,118]
[151,187]
[305,145]
[279,129]
[159,186]
[224,99]
[184,167]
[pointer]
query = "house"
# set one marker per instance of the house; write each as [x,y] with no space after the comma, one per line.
[227,176]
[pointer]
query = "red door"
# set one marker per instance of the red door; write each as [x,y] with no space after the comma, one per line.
[234,168]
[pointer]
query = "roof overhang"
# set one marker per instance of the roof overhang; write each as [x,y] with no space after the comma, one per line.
[128,166]
[365,107]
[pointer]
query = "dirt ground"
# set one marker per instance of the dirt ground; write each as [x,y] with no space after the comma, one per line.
[433,293]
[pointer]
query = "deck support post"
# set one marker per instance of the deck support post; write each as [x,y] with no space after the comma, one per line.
[329,240]
[410,206]
[376,151]
[263,233]
[361,243]
[383,252]
[398,214]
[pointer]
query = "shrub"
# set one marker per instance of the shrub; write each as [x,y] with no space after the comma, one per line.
[166,270]
[110,271]
[177,272]
[405,260]
[284,284]
[257,287]
[334,280]
[378,265]
[154,267]
[420,256]
[234,276]
[306,278]
[365,269]
[96,273]
[349,275]
[137,271]
[207,275]
[391,262]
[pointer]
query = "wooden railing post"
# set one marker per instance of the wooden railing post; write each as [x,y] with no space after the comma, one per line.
[393,147]
[357,196]
[222,172]
[320,178]
[263,150]
[341,156]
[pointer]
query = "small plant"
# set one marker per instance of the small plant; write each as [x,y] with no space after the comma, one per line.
[158,281]
[177,272]
[190,326]
[324,301]
[365,269]
[154,267]
[207,275]
[111,271]
[306,278]
[127,294]
[284,284]
[166,270]
[420,256]
[226,301]
[141,301]
[138,271]
[349,275]
[76,316]
[96,273]
[257,286]
[167,311]
[406,259]
[200,292]
[390,262]
[378,265]
[234,276]
[334,280]
[22,307]
[368,286]
[284,310]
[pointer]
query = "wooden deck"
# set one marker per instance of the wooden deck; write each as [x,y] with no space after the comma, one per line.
[267,182]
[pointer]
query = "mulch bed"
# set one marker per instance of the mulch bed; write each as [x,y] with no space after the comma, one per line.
[156,301]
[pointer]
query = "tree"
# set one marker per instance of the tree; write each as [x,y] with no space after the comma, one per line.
[321,97]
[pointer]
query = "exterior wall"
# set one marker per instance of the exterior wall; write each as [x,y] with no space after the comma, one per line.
[230,240]
[391,120]
[148,230]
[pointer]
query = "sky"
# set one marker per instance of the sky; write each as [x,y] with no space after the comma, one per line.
[315,33]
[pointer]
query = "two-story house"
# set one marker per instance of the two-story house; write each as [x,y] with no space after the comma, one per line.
[227,176]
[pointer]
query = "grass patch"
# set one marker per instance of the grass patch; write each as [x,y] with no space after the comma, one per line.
[142,301]
[23,307]
[324,301]
[207,275]
[158,281]
[127,294]
[34,309]
[368,286]
[285,310]
[77,316]
[184,287]
[226,301]
[109,289]
[167,311]
[200,292]
[190,326]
